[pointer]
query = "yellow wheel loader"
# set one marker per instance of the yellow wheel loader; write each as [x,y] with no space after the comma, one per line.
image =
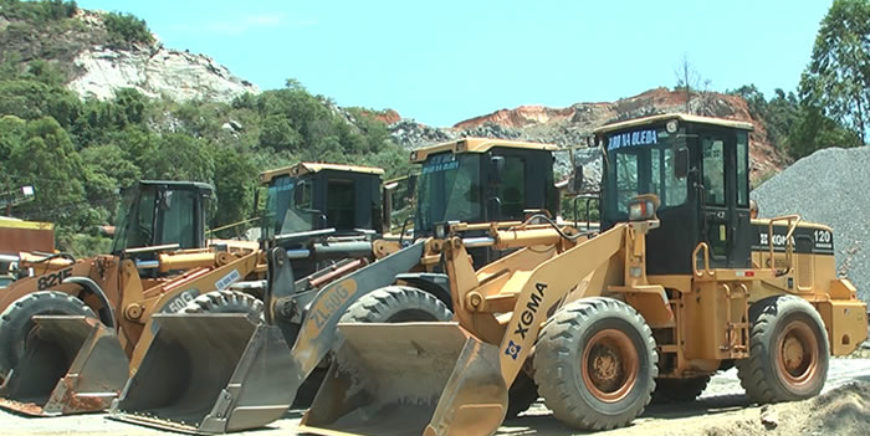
[66,332]
[680,283]
[148,274]
[254,381]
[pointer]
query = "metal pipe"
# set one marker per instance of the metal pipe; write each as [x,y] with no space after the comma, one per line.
[529,237]
[299,253]
[295,236]
[138,250]
[338,272]
[8,259]
[147,264]
[334,250]
[184,261]
[482,241]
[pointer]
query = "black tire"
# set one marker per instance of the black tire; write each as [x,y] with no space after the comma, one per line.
[393,304]
[226,302]
[596,330]
[788,355]
[679,390]
[522,394]
[16,321]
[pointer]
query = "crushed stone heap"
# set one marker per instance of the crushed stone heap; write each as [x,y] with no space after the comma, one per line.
[831,186]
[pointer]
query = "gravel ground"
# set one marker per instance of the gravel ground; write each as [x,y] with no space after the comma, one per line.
[831,186]
[722,405]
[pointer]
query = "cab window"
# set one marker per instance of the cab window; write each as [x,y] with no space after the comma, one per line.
[714,170]
[178,212]
[511,191]
[742,170]
[340,200]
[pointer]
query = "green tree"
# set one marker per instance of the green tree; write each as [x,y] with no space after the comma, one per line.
[48,160]
[107,170]
[837,79]
[126,29]
[234,183]
[12,130]
[278,134]
[179,157]
[814,130]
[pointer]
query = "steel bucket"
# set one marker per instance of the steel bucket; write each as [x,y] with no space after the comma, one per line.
[412,378]
[193,377]
[73,364]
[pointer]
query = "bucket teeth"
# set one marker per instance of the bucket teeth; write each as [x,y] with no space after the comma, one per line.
[73,364]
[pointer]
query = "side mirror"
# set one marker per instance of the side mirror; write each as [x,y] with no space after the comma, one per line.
[681,163]
[496,169]
[577,182]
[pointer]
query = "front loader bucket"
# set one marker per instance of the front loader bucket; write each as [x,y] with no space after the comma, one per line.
[73,364]
[410,378]
[208,374]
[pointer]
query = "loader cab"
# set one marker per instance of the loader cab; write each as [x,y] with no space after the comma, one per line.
[155,213]
[313,196]
[699,169]
[482,180]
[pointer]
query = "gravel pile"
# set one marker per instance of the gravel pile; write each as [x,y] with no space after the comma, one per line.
[831,186]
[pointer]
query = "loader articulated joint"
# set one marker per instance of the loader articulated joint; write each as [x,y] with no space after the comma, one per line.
[286,307]
[90,287]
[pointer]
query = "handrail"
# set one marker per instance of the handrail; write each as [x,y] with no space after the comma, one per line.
[792,221]
[706,248]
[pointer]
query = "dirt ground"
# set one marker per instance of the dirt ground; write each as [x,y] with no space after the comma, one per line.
[842,409]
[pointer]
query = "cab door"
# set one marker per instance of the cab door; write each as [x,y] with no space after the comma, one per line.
[724,204]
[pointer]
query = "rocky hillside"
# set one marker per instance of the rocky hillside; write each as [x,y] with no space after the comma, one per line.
[96,63]
[573,125]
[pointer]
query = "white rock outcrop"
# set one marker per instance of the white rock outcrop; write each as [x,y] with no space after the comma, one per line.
[155,72]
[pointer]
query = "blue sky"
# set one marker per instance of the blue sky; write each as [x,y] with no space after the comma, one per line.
[443,61]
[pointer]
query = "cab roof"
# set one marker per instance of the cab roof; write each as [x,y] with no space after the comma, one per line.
[475,145]
[178,184]
[654,119]
[303,168]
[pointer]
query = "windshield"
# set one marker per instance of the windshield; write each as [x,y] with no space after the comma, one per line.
[176,215]
[178,218]
[288,204]
[641,161]
[135,226]
[449,190]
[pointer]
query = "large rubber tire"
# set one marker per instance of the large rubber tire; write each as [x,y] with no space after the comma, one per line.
[226,302]
[394,304]
[679,390]
[522,394]
[391,304]
[788,355]
[595,364]
[16,321]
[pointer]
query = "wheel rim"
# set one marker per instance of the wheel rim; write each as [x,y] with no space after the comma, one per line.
[610,365]
[798,353]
